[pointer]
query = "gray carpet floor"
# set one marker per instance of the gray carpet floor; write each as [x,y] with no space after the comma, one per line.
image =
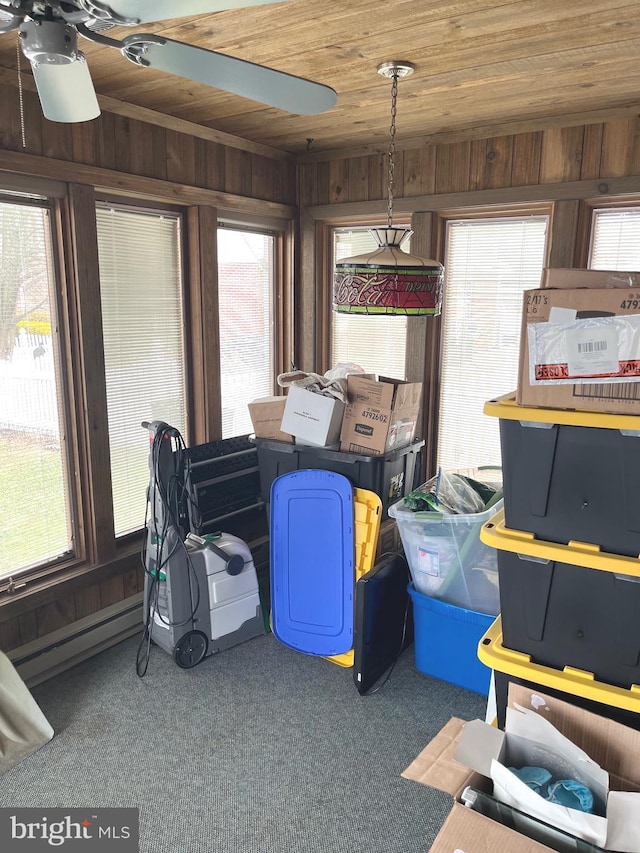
[258,749]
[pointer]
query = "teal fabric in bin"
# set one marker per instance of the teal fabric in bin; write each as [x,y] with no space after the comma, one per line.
[312,556]
[446,642]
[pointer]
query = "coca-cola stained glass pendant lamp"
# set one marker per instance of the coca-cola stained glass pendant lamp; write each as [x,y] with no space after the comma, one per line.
[389,280]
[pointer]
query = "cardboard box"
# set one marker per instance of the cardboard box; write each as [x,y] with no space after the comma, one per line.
[266,416]
[574,278]
[312,418]
[604,748]
[380,416]
[571,341]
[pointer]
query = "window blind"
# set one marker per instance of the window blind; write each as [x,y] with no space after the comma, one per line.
[35,515]
[141,295]
[375,343]
[615,239]
[489,263]
[245,293]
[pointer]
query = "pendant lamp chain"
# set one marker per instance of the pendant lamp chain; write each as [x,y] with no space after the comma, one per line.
[387,280]
[20,96]
[392,147]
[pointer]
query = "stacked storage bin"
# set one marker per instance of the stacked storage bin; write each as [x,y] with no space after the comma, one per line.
[568,542]
[390,475]
[454,591]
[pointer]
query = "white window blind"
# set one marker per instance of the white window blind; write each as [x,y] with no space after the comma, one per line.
[141,295]
[615,239]
[489,263]
[35,515]
[375,343]
[245,293]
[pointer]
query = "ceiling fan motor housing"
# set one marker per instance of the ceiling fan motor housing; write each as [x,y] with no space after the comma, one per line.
[49,42]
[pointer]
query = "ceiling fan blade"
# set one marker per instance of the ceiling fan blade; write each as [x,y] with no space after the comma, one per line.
[256,82]
[162,10]
[66,91]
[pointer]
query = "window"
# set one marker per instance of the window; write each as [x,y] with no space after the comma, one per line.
[141,295]
[489,263]
[375,343]
[35,514]
[615,239]
[246,282]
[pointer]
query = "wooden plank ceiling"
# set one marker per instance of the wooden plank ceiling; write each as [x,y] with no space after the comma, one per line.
[482,68]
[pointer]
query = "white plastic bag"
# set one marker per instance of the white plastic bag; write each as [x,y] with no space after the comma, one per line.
[23,726]
[343,369]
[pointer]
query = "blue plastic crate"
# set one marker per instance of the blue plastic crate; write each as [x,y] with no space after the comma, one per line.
[446,642]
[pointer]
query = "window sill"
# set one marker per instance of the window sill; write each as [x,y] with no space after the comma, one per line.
[58,581]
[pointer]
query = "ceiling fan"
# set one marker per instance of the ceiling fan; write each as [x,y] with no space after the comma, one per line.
[49,29]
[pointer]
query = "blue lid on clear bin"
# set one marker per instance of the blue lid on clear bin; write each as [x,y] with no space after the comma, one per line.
[312,561]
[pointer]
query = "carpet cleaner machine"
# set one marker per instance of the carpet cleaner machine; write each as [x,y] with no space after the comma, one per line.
[201,594]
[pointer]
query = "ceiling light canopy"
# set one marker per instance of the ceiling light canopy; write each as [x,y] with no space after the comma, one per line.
[389,280]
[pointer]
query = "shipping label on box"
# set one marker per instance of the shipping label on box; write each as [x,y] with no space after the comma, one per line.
[580,349]
[566,350]
[312,418]
[380,415]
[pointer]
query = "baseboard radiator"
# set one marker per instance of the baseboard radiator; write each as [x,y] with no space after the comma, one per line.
[60,650]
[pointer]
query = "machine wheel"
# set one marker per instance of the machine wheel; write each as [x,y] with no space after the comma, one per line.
[190,649]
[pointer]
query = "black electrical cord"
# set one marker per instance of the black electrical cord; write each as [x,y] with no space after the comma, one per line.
[171,495]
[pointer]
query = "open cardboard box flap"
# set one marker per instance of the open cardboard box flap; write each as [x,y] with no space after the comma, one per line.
[611,745]
[466,831]
[436,766]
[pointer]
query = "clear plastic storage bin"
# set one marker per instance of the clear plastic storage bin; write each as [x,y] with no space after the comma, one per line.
[447,559]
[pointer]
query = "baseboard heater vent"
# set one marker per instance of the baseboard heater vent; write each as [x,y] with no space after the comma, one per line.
[60,650]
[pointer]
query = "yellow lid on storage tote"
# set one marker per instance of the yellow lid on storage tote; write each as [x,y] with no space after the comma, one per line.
[507,408]
[367,510]
[496,535]
[571,475]
[575,682]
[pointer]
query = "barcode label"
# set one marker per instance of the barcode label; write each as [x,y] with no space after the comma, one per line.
[592,346]
[592,353]
[613,391]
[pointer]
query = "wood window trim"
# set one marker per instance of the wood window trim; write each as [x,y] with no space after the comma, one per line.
[137,186]
[423,345]
[201,309]
[40,591]
[323,276]
[284,257]
[99,557]
[433,353]
[586,210]
[80,333]
[284,304]
[85,277]
[505,197]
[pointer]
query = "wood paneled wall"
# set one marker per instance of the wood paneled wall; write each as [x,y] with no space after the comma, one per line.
[135,147]
[550,156]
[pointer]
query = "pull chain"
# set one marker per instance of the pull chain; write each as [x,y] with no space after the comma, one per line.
[20,100]
[392,148]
